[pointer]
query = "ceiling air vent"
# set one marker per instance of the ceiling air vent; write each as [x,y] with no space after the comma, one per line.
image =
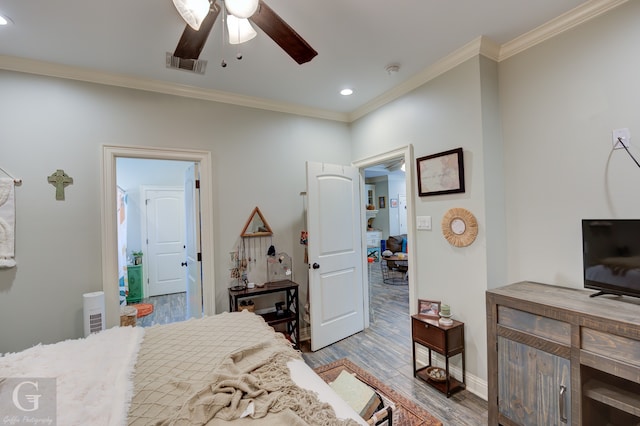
[194,65]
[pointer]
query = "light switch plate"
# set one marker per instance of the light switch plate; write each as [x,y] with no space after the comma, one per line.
[423,223]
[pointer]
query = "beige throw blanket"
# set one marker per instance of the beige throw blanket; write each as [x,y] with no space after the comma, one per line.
[249,385]
[227,368]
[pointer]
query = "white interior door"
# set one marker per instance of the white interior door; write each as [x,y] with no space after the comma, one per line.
[165,240]
[402,213]
[193,248]
[335,253]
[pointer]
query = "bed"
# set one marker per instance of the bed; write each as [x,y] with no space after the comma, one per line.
[230,368]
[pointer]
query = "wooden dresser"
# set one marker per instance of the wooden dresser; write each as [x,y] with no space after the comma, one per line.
[559,357]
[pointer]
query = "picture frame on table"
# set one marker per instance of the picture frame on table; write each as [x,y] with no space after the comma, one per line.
[429,308]
[441,173]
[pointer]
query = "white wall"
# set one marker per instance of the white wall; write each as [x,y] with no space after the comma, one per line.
[48,124]
[560,102]
[444,114]
[132,173]
[389,186]
[397,186]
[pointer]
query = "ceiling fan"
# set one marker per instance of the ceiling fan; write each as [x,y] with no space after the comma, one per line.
[200,22]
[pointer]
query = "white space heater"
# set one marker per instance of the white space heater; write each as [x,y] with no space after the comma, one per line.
[94,320]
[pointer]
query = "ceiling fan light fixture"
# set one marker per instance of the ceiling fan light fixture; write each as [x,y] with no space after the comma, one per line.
[240,30]
[242,8]
[192,11]
[5,20]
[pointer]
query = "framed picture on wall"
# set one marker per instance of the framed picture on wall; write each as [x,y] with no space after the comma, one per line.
[441,173]
[393,203]
[381,202]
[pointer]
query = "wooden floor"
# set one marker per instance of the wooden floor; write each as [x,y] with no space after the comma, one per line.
[384,350]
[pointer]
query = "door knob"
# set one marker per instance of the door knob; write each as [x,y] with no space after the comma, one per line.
[316,266]
[183,264]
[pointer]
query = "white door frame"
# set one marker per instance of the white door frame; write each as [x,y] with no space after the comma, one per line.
[407,153]
[109,221]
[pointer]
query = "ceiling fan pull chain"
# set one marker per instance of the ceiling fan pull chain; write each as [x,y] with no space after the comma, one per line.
[238,54]
[223,64]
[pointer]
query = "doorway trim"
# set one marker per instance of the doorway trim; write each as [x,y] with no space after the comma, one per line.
[406,152]
[108,185]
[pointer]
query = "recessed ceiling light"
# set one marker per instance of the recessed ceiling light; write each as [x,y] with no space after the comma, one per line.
[346,92]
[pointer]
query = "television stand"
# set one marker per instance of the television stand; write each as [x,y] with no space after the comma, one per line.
[578,358]
[600,293]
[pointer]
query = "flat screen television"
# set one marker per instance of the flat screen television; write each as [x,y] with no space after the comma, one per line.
[611,256]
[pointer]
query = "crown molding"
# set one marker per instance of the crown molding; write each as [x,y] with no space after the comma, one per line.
[484,46]
[562,23]
[12,63]
[479,46]
[450,61]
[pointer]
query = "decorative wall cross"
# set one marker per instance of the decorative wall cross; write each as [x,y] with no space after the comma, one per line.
[60,180]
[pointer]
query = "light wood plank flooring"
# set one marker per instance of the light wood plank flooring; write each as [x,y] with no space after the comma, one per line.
[384,350]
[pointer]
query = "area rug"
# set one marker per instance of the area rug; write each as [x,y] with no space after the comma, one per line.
[405,413]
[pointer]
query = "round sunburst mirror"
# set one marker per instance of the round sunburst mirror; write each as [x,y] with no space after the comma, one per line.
[459,227]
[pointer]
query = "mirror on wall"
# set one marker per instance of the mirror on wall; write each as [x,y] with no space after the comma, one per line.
[256,225]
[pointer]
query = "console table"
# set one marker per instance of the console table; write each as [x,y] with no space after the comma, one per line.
[290,317]
[578,356]
[447,340]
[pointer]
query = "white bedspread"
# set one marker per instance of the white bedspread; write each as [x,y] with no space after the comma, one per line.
[94,375]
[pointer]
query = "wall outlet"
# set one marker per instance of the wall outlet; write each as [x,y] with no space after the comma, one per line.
[621,138]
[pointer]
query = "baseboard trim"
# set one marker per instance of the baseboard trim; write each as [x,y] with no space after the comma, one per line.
[474,384]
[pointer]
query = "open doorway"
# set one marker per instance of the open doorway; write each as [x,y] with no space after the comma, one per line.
[389,220]
[205,255]
[152,238]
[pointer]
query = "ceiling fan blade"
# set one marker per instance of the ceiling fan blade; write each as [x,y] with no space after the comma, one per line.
[285,36]
[192,41]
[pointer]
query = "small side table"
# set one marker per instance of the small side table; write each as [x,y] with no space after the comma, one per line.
[291,317]
[446,340]
[395,270]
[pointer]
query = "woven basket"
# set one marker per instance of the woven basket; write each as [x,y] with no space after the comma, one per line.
[128,315]
[250,308]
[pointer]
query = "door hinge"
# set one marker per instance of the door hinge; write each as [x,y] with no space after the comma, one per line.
[146,202]
[199,257]
[198,184]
